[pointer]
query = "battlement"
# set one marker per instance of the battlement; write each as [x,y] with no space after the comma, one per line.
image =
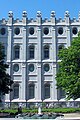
[38,21]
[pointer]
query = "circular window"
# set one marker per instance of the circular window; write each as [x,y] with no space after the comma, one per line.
[31,67]
[46,31]
[3,31]
[31,31]
[17,31]
[16,67]
[60,31]
[46,67]
[60,47]
[74,31]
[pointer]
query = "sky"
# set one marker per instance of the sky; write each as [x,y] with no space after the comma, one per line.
[45,6]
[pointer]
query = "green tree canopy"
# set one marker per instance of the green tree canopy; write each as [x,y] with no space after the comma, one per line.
[68,75]
[5,79]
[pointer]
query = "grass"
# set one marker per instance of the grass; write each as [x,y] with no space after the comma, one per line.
[55,110]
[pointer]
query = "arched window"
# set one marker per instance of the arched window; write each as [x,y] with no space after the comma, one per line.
[60,47]
[3,31]
[31,91]
[47,91]
[16,67]
[74,30]
[31,67]
[46,67]
[46,30]
[60,30]
[17,31]
[31,52]
[16,52]
[46,52]
[16,91]
[31,30]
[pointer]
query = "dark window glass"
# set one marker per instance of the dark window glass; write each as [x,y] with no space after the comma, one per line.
[3,31]
[16,67]
[74,31]
[46,67]
[31,67]
[31,31]
[16,92]
[16,52]
[47,91]
[46,52]
[46,31]
[31,91]
[60,30]
[17,31]
[31,52]
[60,47]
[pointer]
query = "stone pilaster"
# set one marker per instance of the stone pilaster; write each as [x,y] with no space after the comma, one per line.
[23,87]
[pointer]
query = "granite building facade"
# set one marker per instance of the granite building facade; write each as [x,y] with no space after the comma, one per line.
[31,48]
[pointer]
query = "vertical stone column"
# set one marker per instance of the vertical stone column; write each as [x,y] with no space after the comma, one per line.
[67,20]
[68,36]
[53,84]
[23,86]
[53,21]
[9,48]
[39,93]
[10,36]
[24,58]
[24,54]
[54,57]
[39,57]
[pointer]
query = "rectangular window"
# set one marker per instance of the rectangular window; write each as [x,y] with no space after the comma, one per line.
[47,92]
[31,52]
[16,92]
[46,53]
[16,54]
[31,91]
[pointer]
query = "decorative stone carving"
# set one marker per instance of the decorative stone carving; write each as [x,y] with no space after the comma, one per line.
[38,13]
[10,14]
[24,13]
[67,13]
[52,13]
[23,64]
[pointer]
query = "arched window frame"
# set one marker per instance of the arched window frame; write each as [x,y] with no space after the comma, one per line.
[16,52]
[16,91]
[31,52]
[46,52]
[31,91]
[47,91]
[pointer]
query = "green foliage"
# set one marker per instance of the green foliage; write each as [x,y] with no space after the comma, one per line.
[68,76]
[54,110]
[5,79]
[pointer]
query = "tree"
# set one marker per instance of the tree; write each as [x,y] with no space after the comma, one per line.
[68,75]
[5,79]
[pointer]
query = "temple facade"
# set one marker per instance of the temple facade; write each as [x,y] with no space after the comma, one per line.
[31,48]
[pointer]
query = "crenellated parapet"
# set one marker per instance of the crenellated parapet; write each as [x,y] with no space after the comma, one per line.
[52,21]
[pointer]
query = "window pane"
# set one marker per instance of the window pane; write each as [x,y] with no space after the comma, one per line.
[46,31]
[31,67]
[31,91]
[46,67]
[3,31]
[31,52]
[16,67]
[46,52]
[31,30]
[16,53]
[17,31]
[16,92]
[47,91]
